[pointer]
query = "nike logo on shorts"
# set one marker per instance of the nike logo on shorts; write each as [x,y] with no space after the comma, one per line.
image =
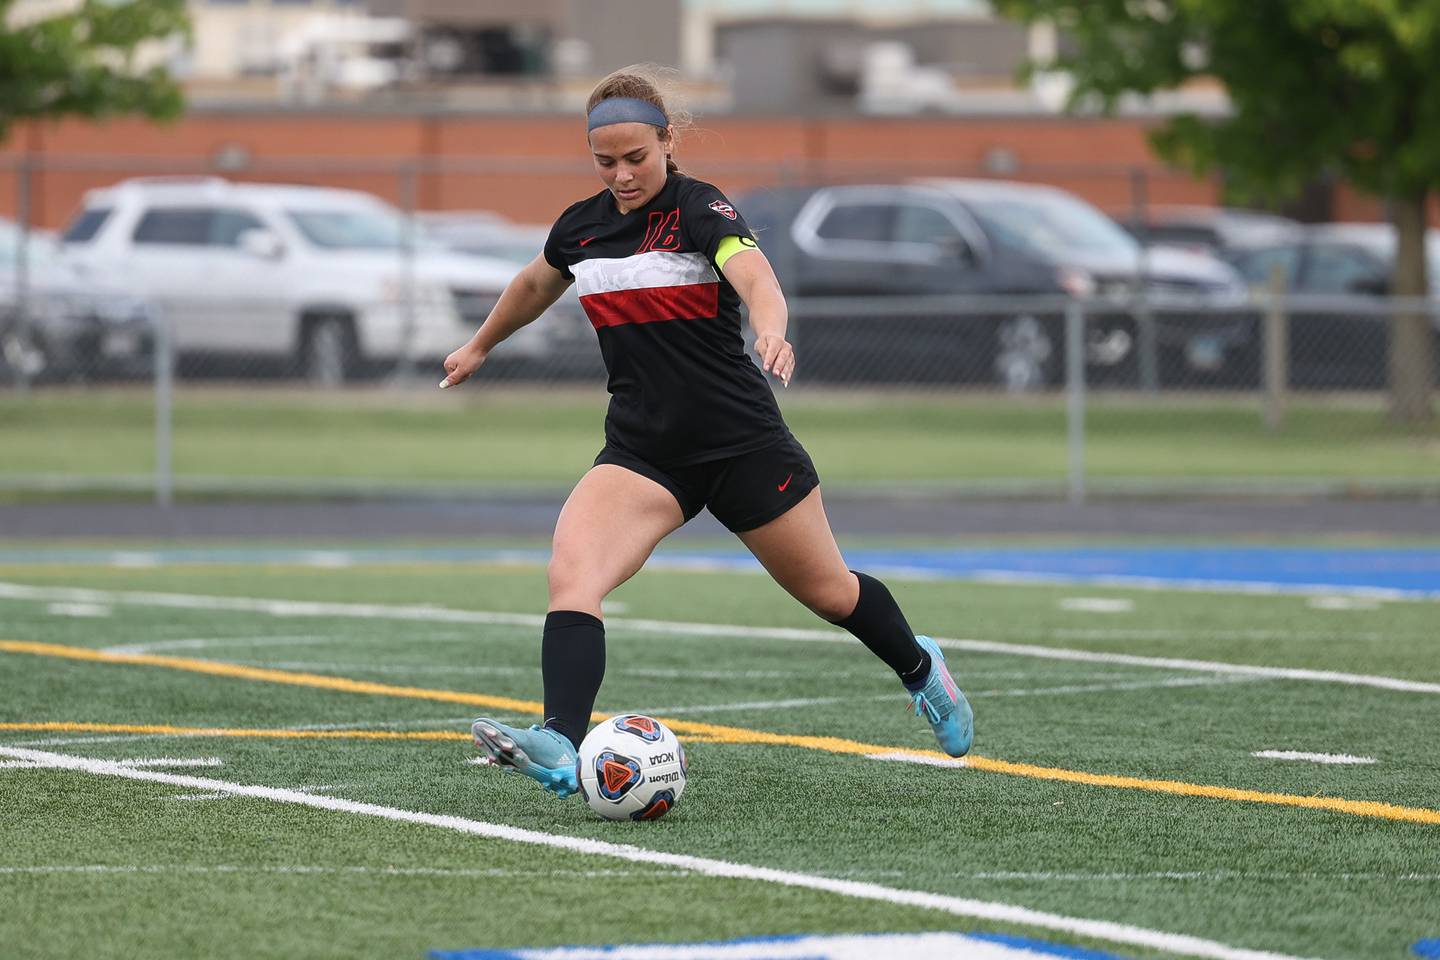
[586,240]
[782,486]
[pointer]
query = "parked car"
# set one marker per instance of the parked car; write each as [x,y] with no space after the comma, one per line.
[1332,349]
[486,233]
[1335,258]
[1214,230]
[985,237]
[481,232]
[324,280]
[67,323]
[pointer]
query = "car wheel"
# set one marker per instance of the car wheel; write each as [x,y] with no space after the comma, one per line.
[329,351]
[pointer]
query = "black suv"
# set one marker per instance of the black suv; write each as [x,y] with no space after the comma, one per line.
[983,237]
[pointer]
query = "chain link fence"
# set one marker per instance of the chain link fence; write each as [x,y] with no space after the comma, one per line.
[1016,345]
[1033,396]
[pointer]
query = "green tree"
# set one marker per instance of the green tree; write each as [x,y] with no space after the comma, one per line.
[1315,86]
[84,62]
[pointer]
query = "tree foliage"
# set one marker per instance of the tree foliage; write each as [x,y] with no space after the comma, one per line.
[1347,87]
[85,62]
[1316,85]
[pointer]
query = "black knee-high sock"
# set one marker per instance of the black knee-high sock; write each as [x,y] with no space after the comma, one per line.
[879,624]
[572,663]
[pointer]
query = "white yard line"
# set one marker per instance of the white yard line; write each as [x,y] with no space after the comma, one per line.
[134,560]
[92,610]
[1163,633]
[1179,944]
[443,669]
[1097,605]
[383,725]
[329,559]
[102,869]
[767,705]
[147,762]
[206,643]
[298,608]
[1216,876]
[357,725]
[1340,758]
[1342,603]
[137,764]
[1203,666]
[310,790]
[658,673]
[970,694]
[1107,687]
[117,738]
[913,758]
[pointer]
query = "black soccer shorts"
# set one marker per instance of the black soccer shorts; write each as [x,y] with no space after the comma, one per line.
[743,492]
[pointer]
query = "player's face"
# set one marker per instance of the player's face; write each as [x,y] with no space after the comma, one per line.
[630,158]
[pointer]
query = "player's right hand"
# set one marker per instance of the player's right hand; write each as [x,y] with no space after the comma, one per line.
[461,364]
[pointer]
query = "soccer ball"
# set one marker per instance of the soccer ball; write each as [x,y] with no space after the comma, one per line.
[631,767]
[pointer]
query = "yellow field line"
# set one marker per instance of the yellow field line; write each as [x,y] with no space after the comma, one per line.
[713,733]
[277,733]
[272,676]
[67,727]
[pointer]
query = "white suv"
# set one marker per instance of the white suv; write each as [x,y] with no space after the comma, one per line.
[317,276]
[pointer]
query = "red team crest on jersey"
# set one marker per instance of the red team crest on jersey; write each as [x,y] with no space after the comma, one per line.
[724,209]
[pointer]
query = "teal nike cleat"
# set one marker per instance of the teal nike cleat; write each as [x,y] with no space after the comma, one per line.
[542,755]
[939,701]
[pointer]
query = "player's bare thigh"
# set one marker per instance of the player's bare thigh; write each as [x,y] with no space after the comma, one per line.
[607,529]
[798,549]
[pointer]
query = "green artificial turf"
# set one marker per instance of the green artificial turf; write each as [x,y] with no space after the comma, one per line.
[248,877]
[492,437]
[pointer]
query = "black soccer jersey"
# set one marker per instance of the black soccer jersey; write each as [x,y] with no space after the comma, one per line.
[682,388]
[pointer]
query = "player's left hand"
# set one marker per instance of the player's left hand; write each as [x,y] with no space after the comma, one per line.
[776,356]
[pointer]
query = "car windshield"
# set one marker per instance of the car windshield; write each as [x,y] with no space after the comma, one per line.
[1055,226]
[84,227]
[356,229]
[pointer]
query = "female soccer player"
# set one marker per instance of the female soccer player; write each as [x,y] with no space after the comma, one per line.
[663,262]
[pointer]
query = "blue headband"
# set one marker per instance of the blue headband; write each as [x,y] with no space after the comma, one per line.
[626,110]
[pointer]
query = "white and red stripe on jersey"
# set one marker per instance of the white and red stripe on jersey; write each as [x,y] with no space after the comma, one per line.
[647,287]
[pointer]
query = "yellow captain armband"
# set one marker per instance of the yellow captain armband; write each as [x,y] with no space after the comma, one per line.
[730,246]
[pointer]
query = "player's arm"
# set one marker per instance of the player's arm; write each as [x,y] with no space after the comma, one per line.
[754,280]
[529,293]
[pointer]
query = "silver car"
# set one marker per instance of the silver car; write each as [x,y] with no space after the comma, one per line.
[58,321]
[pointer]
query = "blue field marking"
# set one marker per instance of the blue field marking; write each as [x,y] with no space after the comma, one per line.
[1428,948]
[1381,572]
[1411,571]
[865,946]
